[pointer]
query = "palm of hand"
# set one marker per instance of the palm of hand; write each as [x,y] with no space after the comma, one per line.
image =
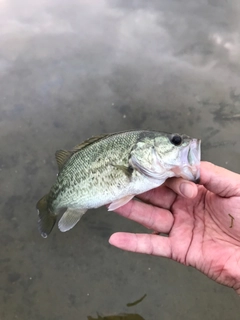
[203,229]
[206,237]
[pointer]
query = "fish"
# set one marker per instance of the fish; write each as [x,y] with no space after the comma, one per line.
[111,169]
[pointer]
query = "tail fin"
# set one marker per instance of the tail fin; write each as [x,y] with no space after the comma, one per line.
[46,218]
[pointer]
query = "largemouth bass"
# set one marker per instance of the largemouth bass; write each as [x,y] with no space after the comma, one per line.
[112,169]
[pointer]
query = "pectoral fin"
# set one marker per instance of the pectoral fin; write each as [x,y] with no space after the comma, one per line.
[127,170]
[70,218]
[120,202]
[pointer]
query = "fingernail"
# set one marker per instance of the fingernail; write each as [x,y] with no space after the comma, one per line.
[187,190]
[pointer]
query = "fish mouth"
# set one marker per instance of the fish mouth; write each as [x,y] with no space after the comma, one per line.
[194,158]
[191,158]
[194,152]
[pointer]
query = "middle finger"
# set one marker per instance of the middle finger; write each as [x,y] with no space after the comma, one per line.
[152,217]
[162,197]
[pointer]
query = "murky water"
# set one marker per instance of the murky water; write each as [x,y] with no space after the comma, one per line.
[73,69]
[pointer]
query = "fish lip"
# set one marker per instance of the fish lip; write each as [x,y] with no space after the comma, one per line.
[198,152]
[194,152]
[194,158]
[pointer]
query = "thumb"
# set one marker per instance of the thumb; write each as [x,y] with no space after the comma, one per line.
[220,181]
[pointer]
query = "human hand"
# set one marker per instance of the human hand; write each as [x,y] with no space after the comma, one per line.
[202,223]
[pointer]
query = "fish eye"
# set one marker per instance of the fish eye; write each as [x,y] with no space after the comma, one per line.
[176,140]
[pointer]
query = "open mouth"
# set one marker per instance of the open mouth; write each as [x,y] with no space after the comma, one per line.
[194,152]
[194,158]
[190,162]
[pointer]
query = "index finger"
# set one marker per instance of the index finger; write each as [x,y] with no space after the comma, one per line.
[165,195]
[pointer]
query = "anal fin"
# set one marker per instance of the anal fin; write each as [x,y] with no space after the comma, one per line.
[70,218]
[120,202]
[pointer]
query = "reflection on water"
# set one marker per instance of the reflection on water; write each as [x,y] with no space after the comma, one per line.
[131,304]
[123,316]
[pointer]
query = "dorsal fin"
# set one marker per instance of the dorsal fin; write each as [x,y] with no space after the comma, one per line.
[61,157]
[88,142]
